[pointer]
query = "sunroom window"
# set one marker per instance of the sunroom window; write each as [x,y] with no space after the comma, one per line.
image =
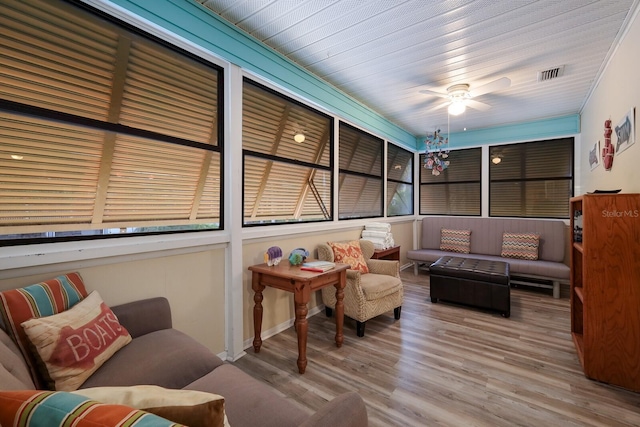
[532,179]
[456,190]
[287,157]
[360,192]
[104,131]
[399,181]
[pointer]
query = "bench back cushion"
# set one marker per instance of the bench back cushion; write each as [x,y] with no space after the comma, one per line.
[486,234]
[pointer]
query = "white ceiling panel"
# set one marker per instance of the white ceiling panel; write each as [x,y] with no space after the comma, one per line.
[383,52]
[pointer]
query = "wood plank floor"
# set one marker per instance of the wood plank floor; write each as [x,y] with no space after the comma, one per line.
[447,365]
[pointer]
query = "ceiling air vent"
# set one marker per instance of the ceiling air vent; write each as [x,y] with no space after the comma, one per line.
[551,73]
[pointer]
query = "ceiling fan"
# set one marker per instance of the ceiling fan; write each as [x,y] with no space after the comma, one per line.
[461,96]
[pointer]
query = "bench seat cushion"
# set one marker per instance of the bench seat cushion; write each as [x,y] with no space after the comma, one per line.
[539,268]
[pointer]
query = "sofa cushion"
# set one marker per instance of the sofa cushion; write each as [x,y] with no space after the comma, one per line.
[42,299]
[75,343]
[520,245]
[350,253]
[455,240]
[166,358]
[35,408]
[189,407]
[14,372]
[249,402]
[376,286]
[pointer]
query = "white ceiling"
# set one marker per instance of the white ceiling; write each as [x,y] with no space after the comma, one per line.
[383,52]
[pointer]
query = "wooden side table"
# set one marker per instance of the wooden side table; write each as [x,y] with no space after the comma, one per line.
[392,253]
[290,278]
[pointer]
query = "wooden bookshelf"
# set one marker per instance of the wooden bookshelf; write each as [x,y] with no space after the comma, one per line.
[605,286]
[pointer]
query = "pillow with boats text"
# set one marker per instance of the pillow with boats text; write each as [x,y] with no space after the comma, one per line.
[75,343]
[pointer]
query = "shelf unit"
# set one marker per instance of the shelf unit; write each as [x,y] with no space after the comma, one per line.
[605,286]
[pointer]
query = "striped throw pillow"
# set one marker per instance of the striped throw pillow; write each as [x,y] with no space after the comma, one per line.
[455,240]
[35,408]
[42,299]
[520,245]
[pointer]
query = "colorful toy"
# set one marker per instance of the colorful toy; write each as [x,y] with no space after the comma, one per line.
[273,256]
[298,256]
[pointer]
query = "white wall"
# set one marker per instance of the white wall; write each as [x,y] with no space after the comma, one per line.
[617,92]
[193,283]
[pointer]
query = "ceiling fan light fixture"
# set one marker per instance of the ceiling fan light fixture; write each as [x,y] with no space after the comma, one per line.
[457,107]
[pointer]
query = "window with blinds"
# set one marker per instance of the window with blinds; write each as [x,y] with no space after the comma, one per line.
[104,131]
[531,180]
[399,181]
[456,191]
[361,185]
[285,181]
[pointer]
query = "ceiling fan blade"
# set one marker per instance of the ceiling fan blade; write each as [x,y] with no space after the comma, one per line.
[430,92]
[476,105]
[437,107]
[493,86]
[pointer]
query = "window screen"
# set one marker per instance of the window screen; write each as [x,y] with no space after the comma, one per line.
[531,180]
[284,180]
[361,161]
[105,131]
[399,181]
[456,191]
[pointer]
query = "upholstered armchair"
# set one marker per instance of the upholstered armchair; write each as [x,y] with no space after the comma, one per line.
[366,295]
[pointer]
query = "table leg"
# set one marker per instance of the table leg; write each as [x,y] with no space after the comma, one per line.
[340,307]
[301,299]
[257,311]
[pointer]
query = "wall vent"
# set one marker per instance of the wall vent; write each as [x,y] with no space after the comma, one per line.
[551,73]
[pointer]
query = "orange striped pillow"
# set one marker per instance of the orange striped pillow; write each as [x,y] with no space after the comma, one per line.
[42,299]
[36,408]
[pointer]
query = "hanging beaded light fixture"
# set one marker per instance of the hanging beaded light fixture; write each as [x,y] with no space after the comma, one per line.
[437,151]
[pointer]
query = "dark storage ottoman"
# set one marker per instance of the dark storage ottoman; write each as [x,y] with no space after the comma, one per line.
[475,282]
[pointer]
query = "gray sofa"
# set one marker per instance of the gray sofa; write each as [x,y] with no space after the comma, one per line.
[486,243]
[163,356]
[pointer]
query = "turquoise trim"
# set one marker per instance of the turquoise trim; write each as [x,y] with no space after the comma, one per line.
[530,131]
[199,25]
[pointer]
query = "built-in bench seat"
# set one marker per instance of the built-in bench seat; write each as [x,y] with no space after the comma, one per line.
[486,243]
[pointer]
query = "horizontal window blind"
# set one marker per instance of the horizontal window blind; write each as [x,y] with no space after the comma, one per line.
[360,197]
[361,185]
[399,181]
[456,191]
[533,179]
[62,174]
[284,180]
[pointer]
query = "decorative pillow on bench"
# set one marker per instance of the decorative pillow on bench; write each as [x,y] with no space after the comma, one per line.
[455,240]
[520,245]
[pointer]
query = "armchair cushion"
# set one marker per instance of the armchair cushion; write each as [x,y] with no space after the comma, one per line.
[376,286]
[350,253]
